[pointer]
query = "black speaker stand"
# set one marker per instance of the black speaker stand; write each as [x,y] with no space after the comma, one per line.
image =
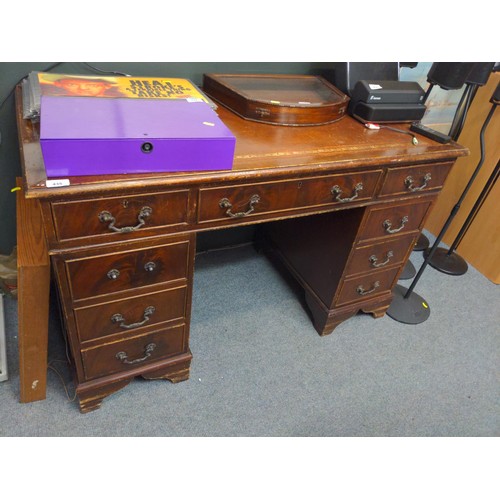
[449,262]
[407,306]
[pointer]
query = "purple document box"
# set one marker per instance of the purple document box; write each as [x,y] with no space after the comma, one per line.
[90,136]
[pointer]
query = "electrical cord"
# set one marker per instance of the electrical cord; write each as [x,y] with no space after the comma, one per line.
[53,368]
[105,72]
[378,126]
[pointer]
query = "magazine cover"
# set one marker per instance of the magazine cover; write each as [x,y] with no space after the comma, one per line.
[135,87]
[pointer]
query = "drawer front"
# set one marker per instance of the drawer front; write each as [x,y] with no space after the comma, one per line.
[116,272]
[253,200]
[366,287]
[119,215]
[134,352]
[394,220]
[130,315]
[392,251]
[416,179]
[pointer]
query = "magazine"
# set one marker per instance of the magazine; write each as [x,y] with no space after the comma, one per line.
[134,87]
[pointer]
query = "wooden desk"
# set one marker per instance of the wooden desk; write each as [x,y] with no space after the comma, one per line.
[344,206]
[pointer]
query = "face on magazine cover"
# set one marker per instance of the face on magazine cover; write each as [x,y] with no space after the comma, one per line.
[80,86]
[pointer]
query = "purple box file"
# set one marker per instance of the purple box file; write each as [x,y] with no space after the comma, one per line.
[90,136]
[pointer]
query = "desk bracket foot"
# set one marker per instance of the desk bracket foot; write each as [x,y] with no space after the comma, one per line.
[377,311]
[326,320]
[91,393]
[91,398]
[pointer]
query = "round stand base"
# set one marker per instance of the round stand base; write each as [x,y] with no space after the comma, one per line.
[408,272]
[449,264]
[421,244]
[412,310]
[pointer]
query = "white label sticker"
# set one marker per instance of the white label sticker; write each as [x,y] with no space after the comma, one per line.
[54,183]
[375,86]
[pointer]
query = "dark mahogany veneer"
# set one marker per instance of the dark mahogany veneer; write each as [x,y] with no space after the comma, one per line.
[339,205]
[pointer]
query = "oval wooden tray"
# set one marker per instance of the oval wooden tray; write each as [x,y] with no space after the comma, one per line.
[294,100]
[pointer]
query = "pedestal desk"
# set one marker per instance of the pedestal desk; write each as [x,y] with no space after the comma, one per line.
[340,205]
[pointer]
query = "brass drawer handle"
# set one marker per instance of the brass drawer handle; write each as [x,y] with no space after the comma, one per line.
[225,203]
[409,183]
[388,225]
[122,356]
[107,217]
[118,318]
[337,191]
[361,291]
[374,260]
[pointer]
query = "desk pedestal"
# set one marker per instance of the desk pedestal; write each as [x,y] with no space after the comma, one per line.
[343,261]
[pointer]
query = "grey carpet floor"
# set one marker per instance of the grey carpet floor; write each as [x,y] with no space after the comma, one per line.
[260,369]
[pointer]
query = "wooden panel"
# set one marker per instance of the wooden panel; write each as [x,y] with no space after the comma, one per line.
[480,245]
[33,268]
[78,219]
[286,196]
[316,249]
[116,272]
[102,360]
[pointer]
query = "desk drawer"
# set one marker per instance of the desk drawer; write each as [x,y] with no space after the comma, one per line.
[368,286]
[121,356]
[394,219]
[120,271]
[416,179]
[253,200]
[390,252]
[119,215]
[130,315]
